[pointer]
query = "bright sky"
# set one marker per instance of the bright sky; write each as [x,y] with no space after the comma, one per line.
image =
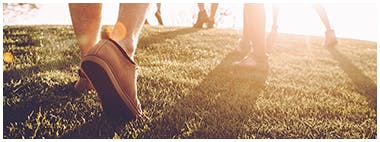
[357,21]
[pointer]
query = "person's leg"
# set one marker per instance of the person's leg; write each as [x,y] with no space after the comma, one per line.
[202,16]
[158,6]
[158,14]
[244,46]
[273,33]
[86,23]
[323,15]
[330,38]
[201,6]
[110,67]
[128,26]
[275,18]
[254,31]
[211,19]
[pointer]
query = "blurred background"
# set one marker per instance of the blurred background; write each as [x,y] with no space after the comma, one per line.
[358,21]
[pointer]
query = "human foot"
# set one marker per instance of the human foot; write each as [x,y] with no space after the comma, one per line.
[202,18]
[253,62]
[113,74]
[330,39]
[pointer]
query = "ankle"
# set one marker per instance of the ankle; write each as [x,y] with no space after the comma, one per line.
[329,30]
[124,39]
[128,45]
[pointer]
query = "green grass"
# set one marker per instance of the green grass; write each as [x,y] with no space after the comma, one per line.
[189,89]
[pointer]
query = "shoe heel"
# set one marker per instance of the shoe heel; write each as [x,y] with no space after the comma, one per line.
[111,102]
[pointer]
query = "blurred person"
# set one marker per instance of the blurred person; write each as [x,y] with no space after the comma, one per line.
[254,38]
[330,38]
[203,18]
[157,14]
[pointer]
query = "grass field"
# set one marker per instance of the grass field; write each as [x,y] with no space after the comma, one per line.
[189,89]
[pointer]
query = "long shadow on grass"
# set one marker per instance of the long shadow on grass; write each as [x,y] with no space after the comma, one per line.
[58,108]
[217,107]
[160,37]
[27,72]
[34,100]
[363,83]
[100,127]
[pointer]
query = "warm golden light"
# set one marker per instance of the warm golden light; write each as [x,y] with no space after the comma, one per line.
[120,32]
[8,57]
[348,20]
[83,40]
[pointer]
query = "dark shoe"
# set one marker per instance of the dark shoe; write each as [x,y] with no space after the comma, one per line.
[202,18]
[244,47]
[252,62]
[330,39]
[113,74]
[83,84]
[159,19]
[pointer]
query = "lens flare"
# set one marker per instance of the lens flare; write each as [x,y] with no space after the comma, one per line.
[83,40]
[8,57]
[119,31]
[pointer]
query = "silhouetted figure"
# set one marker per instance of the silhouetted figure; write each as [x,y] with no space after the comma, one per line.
[203,18]
[330,38]
[157,14]
[254,38]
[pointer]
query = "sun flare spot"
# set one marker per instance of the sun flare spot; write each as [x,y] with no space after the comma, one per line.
[8,57]
[120,31]
[83,40]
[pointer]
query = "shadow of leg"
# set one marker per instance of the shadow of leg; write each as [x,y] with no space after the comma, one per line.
[101,127]
[364,85]
[217,107]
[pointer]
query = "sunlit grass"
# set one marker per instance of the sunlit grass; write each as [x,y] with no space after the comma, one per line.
[189,89]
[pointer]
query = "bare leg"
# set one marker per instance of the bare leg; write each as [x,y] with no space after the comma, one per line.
[275,18]
[202,16]
[254,30]
[323,15]
[273,34]
[330,38]
[211,21]
[214,7]
[201,6]
[158,14]
[128,26]
[254,27]
[86,23]
[245,41]
[158,6]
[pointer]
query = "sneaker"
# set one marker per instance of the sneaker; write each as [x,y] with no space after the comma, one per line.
[113,74]
[83,84]
[252,62]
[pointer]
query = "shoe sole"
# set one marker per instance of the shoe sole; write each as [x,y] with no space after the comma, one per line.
[108,91]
